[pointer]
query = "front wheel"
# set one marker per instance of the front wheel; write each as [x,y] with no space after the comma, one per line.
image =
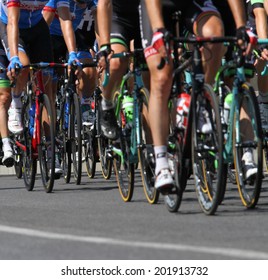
[76,138]
[146,151]
[248,147]
[207,151]
[124,168]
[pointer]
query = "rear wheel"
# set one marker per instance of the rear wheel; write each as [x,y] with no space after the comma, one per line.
[76,138]
[46,149]
[29,160]
[173,199]
[90,151]
[249,146]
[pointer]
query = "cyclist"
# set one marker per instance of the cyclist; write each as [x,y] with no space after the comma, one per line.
[201,18]
[257,21]
[232,24]
[54,16]
[25,36]
[5,98]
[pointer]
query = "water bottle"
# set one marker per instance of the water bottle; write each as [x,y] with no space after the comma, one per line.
[183,106]
[32,116]
[66,115]
[227,106]
[127,106]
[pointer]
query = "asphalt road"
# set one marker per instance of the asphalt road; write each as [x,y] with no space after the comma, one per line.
[91,221]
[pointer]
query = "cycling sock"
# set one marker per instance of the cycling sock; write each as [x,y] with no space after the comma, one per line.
[106,104]
[161,161]
[6,142]
[16,101]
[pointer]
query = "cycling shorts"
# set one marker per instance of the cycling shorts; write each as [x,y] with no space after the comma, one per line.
[191,13]
[126,27]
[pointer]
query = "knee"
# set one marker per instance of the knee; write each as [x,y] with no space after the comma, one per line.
[161,83]
[118,67]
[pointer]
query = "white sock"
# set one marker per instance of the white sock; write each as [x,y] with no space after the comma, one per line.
[161,160]
[6,143]
[16,101]
[106,104]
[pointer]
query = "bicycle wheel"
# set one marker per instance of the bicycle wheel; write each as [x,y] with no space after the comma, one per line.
[249,189]
[90,150]
[76,138]
[124,169]
[146,152]
[65,151]
[173,199]
[46,149]
[105,156]
[29,160]
[207,151]
[18,160]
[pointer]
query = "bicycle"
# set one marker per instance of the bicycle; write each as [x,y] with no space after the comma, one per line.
[196,151]
[37,137]
[237,142]
[95,145]
[69,124]
[132,146]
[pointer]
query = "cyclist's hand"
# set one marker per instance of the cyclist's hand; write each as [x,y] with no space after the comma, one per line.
[103,57]
[245,39]
[74,61]
[13,67]
[263,51]
[161,43]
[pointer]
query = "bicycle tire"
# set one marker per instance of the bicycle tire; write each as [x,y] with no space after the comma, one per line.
[249,191]
[90,150]
[29,162]
[174,198]
[146,155]
[66,151]
[124,169]
[47,165]
[207,152]
[18,166]
[76,138]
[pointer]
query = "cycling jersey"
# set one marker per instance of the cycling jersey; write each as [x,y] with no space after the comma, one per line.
[30,11]
[77,12]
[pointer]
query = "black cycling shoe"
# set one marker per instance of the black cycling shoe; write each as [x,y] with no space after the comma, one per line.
[108,123]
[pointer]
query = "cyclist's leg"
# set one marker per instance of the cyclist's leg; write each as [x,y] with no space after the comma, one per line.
[5,98]
[207,23]
[121,34]
[160,82]
[88,81]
